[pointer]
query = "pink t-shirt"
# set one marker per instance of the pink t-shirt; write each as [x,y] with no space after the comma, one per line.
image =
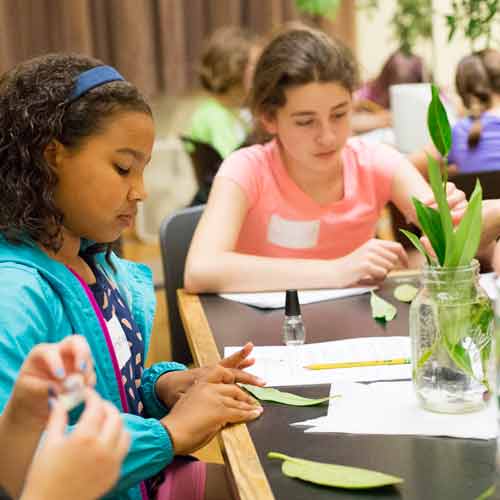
[283,221]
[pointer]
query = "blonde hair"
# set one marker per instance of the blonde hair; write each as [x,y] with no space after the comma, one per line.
[224,60]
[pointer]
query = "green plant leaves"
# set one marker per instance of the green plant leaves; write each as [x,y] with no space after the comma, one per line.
[405,292]
[430,222]
[327,8]
[417,244]
[453,247]
[339,476]
[468,234]
[381,309]
[438,124]
[286,398]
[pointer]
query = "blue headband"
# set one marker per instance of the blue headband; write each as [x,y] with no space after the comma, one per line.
[93,78]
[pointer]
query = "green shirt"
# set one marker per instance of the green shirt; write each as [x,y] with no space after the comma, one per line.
[218,126]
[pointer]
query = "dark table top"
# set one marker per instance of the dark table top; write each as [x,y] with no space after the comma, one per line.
[433,468]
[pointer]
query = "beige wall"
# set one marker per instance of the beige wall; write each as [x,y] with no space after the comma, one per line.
[374,43]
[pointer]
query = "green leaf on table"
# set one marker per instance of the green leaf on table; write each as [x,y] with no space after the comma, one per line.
[430,222]
[405,292]
[468,234]
[286,398]
[338,476]
[381,309]
[438,124]
[417,244]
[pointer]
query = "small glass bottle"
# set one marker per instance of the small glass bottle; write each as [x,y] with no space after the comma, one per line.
[294,332]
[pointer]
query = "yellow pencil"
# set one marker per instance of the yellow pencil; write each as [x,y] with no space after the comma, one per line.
[354,364]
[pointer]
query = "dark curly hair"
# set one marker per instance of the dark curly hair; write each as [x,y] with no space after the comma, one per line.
[35,109]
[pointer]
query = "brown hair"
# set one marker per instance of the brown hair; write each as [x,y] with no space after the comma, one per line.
[400,67]
[35,104]
[298,56]
[477,78]
[224,60]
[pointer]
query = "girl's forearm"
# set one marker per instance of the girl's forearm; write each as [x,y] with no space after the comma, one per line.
[235,272]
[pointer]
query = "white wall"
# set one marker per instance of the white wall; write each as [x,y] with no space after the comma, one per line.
[374,43]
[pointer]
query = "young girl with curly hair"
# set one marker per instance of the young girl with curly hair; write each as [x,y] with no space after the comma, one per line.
[75,138]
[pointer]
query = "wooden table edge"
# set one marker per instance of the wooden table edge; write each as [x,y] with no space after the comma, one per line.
[240,455]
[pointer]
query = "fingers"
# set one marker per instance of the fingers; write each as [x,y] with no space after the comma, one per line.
[247,378]
[236,359]
[58,421]
[93,416]
[219,374]
[77,357]
[45,361]
[234,392]
[235,415]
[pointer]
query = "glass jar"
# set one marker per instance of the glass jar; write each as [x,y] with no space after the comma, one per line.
[452,335]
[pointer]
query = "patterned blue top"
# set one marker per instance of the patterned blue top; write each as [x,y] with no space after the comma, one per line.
[125,335]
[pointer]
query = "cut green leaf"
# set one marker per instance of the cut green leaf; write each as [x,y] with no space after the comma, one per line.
[286,398]
[338,476]
[417,244]
[438,124]
[405,293]
[381,309]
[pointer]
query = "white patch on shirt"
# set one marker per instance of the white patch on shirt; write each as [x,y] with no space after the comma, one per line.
[119,340]
[293,233]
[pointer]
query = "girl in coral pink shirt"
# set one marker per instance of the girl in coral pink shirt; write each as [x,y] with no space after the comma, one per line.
[300,210]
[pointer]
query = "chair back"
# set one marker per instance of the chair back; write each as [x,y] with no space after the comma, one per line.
[206,161]
[176,232]
[490,183]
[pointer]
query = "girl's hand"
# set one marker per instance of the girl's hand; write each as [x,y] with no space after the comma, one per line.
[372,261]
[82,465]
[202,412]
[42,375]
[171,386]
[456,201]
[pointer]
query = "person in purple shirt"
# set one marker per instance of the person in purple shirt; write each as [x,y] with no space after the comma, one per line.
[476,138]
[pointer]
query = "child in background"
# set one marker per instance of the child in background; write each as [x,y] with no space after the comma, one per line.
[223,72]
[75,138]
[96,449]
[300,210]
[371,100]
[475,143]
[220,124]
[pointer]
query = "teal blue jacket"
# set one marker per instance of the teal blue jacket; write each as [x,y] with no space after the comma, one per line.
[42,301]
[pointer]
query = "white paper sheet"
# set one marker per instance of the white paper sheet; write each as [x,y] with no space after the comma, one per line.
[488,282]
[392,408]
[275,300]
[284,365]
